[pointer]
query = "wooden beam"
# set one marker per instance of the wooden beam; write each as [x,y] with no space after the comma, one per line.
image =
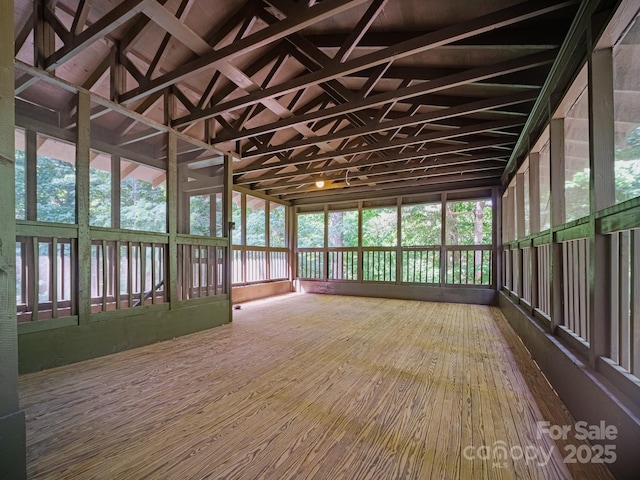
[422,89]
[459,31]
[121,14]
[558,218]
[181,14]
[459,162]
[116,180]
[23,33]
[80,19]
[31,175]
[400,142]
[43,34]
[519,37]
[602,188]
[427,185]
[12,424]
[174,26]
[534,192]
[259,39]
[480,105]
[520,216]
[8,328]
[432,152]
[97,73]
[352,40]
[373,179]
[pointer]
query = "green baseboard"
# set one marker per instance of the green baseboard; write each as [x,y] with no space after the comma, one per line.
[13,461]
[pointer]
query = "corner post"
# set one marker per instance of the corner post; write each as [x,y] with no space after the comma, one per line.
[13,462]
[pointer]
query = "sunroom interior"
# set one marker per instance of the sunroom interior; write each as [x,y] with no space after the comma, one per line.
[164,161]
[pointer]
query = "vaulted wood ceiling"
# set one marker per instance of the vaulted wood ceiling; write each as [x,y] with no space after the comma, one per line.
[371,96]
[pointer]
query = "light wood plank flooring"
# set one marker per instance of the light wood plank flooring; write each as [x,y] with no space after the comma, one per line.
[305,386]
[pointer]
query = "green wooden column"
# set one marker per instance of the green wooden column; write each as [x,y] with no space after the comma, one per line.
[83,141]
[12,426]
[172,215]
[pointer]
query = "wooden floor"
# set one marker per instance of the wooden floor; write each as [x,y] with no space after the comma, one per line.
[306,386]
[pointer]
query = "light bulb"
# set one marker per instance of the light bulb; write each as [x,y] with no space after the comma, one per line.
[319,184]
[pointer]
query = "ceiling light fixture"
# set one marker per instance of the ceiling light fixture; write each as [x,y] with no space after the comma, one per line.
[320,184]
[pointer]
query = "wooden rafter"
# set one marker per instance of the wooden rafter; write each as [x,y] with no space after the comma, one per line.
[263,37]
[298,89]
[480,105]
[108,23]
[508,16]
[443,83]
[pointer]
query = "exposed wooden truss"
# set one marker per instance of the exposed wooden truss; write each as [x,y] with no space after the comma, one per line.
[367,94]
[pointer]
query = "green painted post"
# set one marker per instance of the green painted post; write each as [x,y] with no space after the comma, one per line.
[12,424]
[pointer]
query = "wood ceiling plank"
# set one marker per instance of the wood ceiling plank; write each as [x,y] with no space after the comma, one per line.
[414,170]
[480,105]
[439,184]
[433,86]
[174,26]
[80,18]
[432,152]
[360,29]
[181,14]
[259,39]
[453,33]
[403,142]
[407,178]
[107,24]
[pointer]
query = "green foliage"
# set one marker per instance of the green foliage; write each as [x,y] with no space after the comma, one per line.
[142,206]
[631,148]
[21,194]
[627,167]
[236,217]
[256,222]
[379,227]
[577,195]
[278,226]
[311,230]
[56,191]
[99,198]
[199,209]
[627,179]
[421,225]
[343,228]
[469,223]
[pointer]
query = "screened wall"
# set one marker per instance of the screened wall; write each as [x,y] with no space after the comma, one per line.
[572,214]
[403,241]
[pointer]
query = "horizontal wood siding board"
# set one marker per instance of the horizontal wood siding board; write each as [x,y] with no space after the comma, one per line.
[61,346]
[40,325]
[246,293]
